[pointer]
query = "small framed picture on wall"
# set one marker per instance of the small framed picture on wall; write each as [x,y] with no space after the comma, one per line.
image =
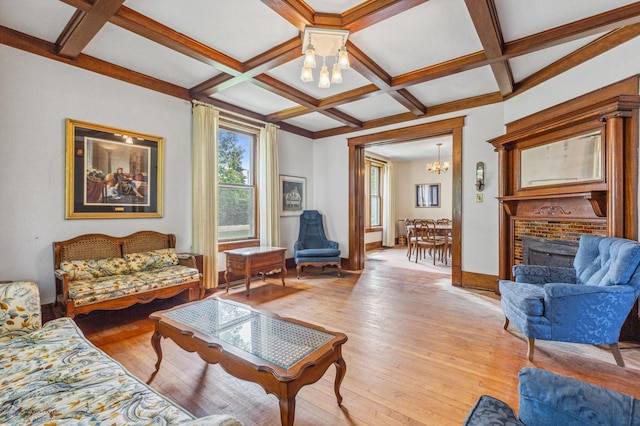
[428,195]
[293,194]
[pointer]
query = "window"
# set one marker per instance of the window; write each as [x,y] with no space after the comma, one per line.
[375,175]
[376,199]
[237,192]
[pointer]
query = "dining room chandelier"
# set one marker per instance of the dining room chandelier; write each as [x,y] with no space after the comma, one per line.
[324,42]
[438,167]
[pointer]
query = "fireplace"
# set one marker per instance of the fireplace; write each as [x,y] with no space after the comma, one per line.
[548,252]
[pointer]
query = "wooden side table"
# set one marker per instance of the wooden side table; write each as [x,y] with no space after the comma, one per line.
[255,260]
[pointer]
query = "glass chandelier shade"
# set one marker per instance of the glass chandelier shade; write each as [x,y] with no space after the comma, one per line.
[306,75]
[336,73]
[310,57]
[323,81]
[343,58]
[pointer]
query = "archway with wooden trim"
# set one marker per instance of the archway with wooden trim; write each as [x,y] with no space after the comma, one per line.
[357,146]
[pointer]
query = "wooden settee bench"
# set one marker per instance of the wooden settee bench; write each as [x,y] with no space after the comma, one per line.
[97,271]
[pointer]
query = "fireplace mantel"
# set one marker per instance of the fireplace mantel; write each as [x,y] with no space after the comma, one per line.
[568,206]
[603,202]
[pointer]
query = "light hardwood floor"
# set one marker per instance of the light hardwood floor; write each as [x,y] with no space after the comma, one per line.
[420,351]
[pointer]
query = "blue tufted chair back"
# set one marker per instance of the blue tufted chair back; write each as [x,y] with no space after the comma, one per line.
[312,230]
[607,261]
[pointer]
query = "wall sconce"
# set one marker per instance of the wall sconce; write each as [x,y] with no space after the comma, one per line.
[479,175]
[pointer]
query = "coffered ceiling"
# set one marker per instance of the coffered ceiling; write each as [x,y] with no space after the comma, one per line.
[409,58]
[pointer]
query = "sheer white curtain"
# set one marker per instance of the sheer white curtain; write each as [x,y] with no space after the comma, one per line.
[204,158]
[269,184]
[389,213]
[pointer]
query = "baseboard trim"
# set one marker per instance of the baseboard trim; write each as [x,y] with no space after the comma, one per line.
[481,281]
[373,245]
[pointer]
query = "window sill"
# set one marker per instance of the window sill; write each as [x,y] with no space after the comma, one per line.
[374,229]
[231,245]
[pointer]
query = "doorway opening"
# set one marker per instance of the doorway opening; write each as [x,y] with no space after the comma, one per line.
[357,145]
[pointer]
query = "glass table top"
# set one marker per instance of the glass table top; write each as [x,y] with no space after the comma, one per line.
[275,340]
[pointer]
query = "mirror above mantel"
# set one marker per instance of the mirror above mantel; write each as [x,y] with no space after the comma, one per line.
[570,161]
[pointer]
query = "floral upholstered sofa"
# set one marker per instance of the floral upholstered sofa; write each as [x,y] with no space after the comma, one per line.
[52,375]
[97,271]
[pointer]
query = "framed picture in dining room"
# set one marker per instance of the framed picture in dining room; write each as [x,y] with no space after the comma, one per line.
[112,173]
[293,194]
[428,195]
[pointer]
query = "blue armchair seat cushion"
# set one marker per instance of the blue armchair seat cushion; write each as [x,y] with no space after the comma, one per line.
[606,261]
[318,252]
[526,298]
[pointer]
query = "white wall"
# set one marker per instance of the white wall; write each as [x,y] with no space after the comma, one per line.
[295,158]
[410,173]
[610,67]
[480,220]
[38,94]
[331,188]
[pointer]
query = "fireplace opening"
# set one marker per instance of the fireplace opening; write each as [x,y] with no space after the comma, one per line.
[548,252]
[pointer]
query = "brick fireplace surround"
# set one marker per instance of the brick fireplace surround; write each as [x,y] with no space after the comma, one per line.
[561,231]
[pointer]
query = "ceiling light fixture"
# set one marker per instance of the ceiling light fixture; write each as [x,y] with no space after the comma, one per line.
[324,42]
[438,167]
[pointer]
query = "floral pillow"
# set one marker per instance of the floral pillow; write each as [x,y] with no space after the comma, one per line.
[94,268]
[147,260]
[19,309]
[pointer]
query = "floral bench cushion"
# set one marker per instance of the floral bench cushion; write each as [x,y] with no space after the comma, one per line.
[95,268]
[155,259]
[19,309]
[54,375]
[94,290]
[95,280]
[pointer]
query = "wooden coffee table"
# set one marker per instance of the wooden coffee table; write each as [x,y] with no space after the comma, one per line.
[280,354]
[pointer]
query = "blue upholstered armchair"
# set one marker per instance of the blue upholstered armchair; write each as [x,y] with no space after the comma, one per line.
[313,248]
[584,304]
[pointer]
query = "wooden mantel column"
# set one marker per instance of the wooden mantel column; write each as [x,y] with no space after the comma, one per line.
[615,175]
[504,238]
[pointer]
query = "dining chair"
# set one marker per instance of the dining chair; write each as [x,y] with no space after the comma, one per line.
[411,236]
[447,234]
[427,238]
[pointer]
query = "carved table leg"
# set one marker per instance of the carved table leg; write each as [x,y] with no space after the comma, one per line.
[287,411]
[341,370]
[155,343]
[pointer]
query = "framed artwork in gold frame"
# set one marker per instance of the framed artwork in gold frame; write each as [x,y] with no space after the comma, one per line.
[112,173]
